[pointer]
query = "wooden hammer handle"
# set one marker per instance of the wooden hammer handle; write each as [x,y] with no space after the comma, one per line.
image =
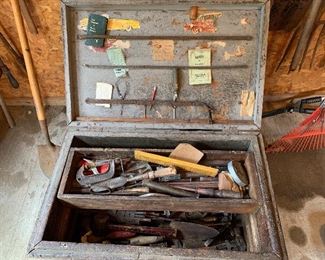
[154,174]
[162,172]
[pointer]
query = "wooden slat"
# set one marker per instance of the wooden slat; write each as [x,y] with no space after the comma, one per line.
[107,251]
[89,201]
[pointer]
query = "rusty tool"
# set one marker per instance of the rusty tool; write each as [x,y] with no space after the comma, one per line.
[117,235]
[5,70]
[132,191]
[120,181]
[109,185]
[18,56]
[170,178]
[165,67]
[194,235]
[237,173]
[119,93]
[138,166]
[159,231]
[90,237]
[8,39]
[147,195]
[129,217]
[166,37]
[214,193]
[146,103]
[164,188]
[195,184]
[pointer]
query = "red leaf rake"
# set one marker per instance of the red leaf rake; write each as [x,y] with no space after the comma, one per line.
[309,135]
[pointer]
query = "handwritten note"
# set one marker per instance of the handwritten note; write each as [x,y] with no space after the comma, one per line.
[197,58]
[116,57]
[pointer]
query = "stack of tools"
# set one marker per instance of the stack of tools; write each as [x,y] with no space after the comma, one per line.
[219,231]
[149,175]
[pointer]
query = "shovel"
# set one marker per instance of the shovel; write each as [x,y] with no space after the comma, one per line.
[47,153]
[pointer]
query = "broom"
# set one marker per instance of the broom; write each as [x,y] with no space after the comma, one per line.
[309,135]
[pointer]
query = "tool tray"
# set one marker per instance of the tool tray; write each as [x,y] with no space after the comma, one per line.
[69,190]
[222,119]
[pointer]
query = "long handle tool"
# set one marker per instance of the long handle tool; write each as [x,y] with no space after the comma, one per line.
[48,152]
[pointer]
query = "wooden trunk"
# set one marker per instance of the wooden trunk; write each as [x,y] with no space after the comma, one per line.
[100,132]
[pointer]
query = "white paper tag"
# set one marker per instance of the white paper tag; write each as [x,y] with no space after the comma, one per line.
[104,91]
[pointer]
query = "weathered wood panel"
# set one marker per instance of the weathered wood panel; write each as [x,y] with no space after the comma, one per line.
[47,51]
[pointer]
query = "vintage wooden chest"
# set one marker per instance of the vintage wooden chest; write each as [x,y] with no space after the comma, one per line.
[218,111]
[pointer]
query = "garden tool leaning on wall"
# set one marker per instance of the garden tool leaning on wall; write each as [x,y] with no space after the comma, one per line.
[47,153]
[310,134]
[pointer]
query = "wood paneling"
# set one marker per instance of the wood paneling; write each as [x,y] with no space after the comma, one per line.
[307,79]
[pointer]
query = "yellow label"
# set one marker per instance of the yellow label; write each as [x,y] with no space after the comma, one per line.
[123,24]
[197,58]
[114,24]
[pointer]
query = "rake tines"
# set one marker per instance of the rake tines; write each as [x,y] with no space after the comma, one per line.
[309,135]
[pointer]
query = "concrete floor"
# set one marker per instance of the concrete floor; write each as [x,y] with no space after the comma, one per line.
[298,181]
[22,183]
[299,191]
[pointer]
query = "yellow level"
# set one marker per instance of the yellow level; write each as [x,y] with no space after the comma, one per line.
[167,161]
